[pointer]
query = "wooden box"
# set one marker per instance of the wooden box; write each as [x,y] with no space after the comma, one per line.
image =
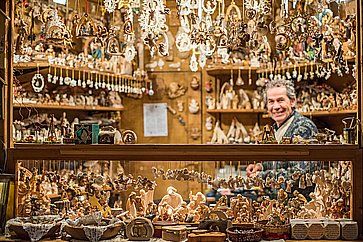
[207,237]
[158,225]
[174,233]
[316,230]
[86,133]
[299,229]
[332,230]
[349,230]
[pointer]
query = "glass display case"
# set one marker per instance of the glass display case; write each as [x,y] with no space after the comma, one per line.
[271,186]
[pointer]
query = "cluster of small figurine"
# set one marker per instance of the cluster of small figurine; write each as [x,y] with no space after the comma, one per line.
[330,197]
[43,127]
[79,192]
[110,99]
[229,99]
[317,97]
[237,133]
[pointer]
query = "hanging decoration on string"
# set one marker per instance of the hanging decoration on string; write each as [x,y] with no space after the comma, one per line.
[38,82]
[153,25]
[55,30]
[110,5]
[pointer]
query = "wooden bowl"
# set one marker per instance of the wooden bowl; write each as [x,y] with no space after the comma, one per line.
[16,229]
[77,232]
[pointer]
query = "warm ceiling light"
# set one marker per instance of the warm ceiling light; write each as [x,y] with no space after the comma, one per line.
[60,1]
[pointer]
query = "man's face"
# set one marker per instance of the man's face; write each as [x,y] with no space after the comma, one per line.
[279,105]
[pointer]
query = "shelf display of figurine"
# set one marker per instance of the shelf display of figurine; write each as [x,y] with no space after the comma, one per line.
[91,197]
[102,99]
[46,128]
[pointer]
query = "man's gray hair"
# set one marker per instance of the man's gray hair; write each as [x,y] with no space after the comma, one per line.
[288,84]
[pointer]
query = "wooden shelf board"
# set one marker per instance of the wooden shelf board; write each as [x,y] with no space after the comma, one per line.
[235,111]
[190,152]
[69,70]
[329,113]
[65,107]
[226,69]
[322,113]
[31,65]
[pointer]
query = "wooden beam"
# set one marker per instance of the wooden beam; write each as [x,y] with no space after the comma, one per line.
[194,152]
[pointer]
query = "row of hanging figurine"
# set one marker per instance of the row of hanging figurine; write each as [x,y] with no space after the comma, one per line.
[110,82]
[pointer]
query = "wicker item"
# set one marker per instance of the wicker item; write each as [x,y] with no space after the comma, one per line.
[299,230]
[316,230]
[272,232]
[241,234]
[349,230]
[332,230]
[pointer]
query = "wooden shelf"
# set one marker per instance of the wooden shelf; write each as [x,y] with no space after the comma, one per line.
[322,113]
[76,71]
[65,107]
[220,69]
[226,69]
[30,65]
[190,152]
[247,111]
[329,113]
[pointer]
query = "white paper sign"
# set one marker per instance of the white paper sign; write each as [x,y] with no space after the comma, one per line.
[155,119]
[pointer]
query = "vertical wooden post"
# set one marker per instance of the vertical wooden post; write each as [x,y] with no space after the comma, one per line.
[359,73]
[6,73]
[357,168]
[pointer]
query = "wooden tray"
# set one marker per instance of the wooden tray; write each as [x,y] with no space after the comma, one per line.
[78,232]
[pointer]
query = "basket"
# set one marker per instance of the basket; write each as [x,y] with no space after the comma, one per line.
[272,232]
[241,234]
[95,232]
[34,229]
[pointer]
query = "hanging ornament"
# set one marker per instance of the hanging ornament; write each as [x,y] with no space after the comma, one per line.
[193,65]
[55,30]
[130,53]
[182,42]
[153,25]
[86,27]
[38,82]
[113,45]
[202,60]
[110,5]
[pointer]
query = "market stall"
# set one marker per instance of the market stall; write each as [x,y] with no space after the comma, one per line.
[204,120]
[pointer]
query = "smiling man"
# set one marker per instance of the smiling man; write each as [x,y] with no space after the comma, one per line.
[281,99]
